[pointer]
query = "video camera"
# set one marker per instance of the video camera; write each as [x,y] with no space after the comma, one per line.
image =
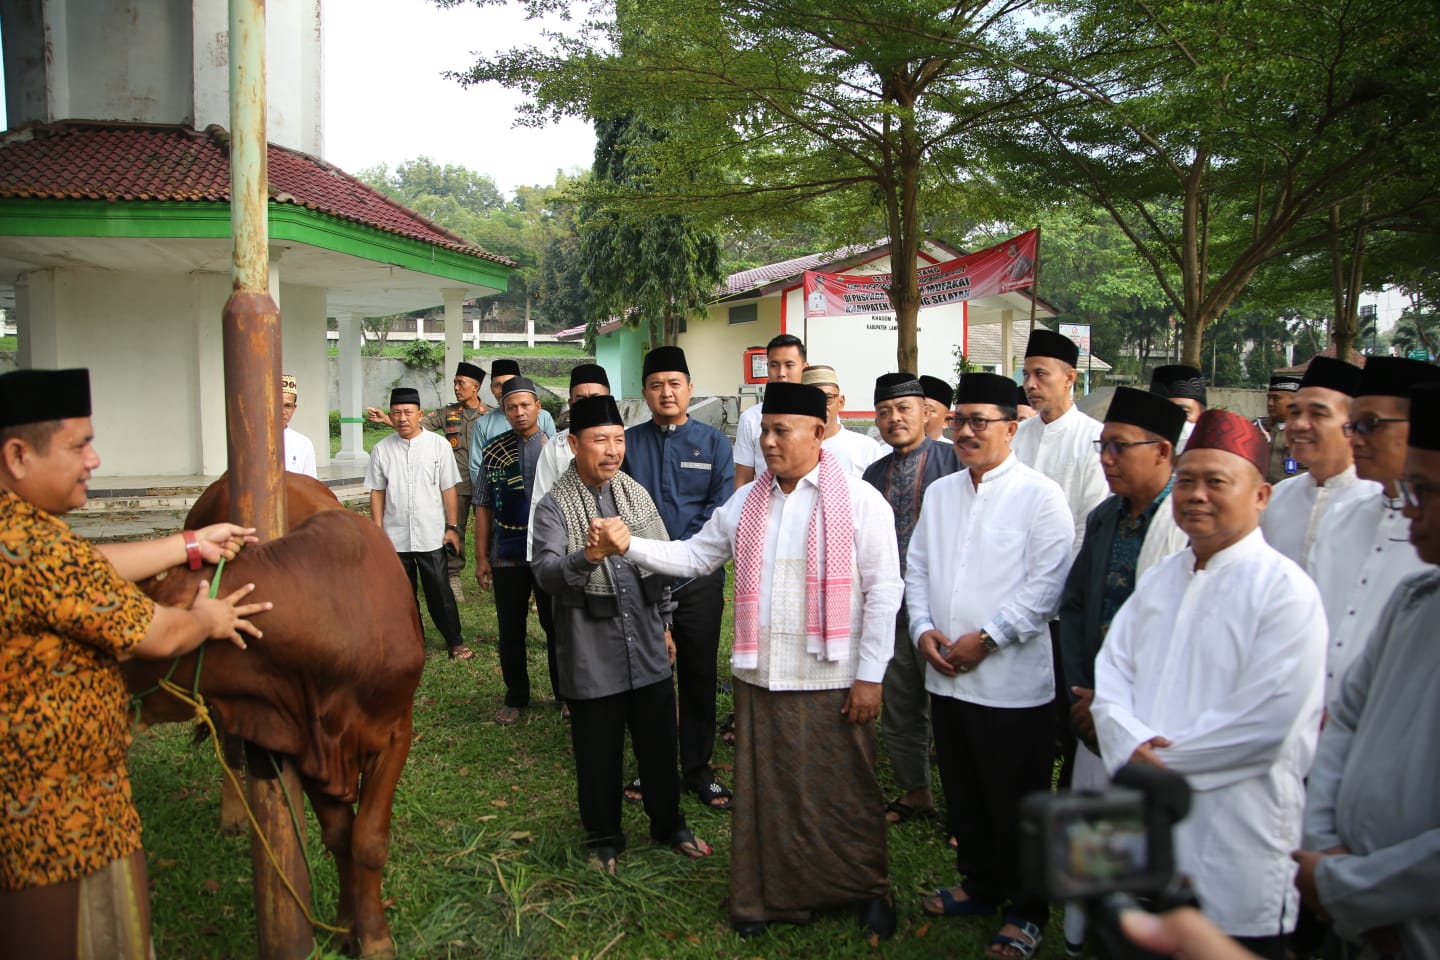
[1108,850]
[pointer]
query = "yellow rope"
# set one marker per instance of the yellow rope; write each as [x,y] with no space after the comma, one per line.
[203,714]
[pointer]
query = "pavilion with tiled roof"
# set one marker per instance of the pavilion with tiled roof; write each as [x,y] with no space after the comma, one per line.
[107,181]
[116,237]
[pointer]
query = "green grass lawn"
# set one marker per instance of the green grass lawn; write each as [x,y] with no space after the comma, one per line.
[486,852]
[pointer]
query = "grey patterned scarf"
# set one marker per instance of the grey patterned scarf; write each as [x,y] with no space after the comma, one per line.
[577,506]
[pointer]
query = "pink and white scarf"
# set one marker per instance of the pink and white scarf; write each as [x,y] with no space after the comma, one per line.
[827,570]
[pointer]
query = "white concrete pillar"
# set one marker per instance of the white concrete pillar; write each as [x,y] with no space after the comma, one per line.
[40,300]
[1007,349]
[277,251]
[454,328]
[303,347]
[529,324]
[208,293]
[352,403]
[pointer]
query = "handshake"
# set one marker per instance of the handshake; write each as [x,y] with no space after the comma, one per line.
[608,537]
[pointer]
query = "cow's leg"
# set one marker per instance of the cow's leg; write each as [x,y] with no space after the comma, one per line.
[337,820]
[371,843]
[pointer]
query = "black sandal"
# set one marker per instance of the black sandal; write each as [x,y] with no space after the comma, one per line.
[603,859]
[727,730]
[904,812]
[633,793]
[686,844]
[712,792]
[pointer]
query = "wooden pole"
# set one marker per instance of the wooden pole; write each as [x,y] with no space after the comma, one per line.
[251,334]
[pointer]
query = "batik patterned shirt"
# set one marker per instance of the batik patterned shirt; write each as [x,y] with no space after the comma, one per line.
[1125,557]
[65,807]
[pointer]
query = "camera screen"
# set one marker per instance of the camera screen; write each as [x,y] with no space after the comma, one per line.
[1104,850]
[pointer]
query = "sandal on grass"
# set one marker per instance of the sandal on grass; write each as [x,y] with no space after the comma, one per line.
[713,795]
[1022,947]
[603,859]
[686,844]
[506,716]
[633,793]
[727,730]
[904,812]
[944,904]
[461,652]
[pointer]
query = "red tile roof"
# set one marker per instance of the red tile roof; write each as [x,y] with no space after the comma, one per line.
[753,279]
[91,160]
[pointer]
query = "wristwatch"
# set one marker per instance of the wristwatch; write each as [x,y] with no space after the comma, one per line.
[451,526]
[988,642]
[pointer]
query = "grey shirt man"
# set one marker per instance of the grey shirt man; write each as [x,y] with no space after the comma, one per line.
[598,655]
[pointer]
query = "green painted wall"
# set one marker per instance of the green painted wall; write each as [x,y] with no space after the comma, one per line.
[622,353]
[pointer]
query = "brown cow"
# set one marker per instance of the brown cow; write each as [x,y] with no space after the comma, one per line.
[331,683]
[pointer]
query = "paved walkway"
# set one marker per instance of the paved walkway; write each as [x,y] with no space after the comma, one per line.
[136,508]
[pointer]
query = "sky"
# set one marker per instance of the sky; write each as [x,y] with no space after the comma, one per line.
[386,101]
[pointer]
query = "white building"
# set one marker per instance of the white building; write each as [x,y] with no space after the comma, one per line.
[115,223]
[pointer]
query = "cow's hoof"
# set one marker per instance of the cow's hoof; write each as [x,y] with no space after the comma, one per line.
[378,949]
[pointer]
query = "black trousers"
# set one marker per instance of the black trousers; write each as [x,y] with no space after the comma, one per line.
[696,632]
[463,512]
[513,587]
[439,600]
[597,734]
[1065,742]
[1274,947]
[990,758]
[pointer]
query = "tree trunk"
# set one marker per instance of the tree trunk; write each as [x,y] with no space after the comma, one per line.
[1346,283]
[1192,337]
[903,213]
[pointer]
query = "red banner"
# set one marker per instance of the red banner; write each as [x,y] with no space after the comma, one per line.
[999,269]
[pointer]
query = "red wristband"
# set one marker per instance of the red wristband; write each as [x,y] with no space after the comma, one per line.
[192,549]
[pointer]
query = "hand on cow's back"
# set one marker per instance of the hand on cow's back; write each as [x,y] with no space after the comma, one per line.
[225,616]
[223,540]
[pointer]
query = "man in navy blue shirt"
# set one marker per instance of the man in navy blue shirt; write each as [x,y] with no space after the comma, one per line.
[688,468]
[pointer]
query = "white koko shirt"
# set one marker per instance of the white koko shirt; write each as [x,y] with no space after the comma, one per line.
[413,475]
[994,558]
[1226,663]
[855,451]
[299,453]
[1362,552]
[875,589]
[1297,505]
[1065,452]
[747,440]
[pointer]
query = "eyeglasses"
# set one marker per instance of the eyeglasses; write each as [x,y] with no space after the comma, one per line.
[1363,428]
[1414,492]
[1117,447]
[976,424]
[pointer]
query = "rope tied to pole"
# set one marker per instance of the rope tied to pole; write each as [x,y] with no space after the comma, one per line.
[202,712]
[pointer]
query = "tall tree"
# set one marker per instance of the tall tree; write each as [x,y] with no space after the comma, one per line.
[771,105]
[1220,135]
[651,269]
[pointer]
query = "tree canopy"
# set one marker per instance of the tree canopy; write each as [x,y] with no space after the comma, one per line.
[773,109]
[1222,136]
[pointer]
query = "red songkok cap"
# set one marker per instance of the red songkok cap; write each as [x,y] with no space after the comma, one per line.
[1223,430]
